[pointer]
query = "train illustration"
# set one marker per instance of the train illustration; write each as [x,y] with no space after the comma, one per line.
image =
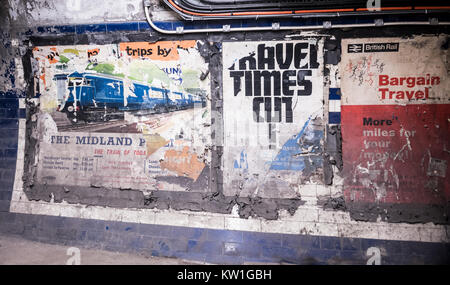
[93,97]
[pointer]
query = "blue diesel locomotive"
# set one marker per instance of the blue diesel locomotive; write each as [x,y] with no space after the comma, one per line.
[98,97]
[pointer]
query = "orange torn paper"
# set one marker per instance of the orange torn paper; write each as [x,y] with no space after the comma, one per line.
[183,163]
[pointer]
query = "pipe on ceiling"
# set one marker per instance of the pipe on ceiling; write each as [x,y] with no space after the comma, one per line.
[276,26]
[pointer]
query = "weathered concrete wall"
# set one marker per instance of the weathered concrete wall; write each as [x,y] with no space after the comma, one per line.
[265,154]
[35,13]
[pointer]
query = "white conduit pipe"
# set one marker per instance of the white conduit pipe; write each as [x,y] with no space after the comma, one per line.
[276,26]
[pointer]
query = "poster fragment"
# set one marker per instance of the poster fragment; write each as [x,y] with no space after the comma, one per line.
[132,115]
[395,123]
[273,110]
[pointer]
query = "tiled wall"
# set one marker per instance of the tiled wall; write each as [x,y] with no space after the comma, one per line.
[9,121]
[217,246]
[312,236]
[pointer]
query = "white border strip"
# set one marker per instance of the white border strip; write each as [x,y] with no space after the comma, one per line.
[325,223]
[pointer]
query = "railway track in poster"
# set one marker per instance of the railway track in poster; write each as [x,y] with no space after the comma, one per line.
[120,125]
[93,127]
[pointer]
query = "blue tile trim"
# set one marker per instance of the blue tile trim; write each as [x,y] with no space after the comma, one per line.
[332,243]
[9,114]
[235,23]
[191,25]
[12,113]
[92,28]
[12,103]
[224,235]
[262,238]
[335,94]
[8,138]
[246,249]
[334,117]
[214,25]
[46,30]
[9,123]
[216,246]
[56,29]
[5,195]
[65,29]
[7,179]
[167,25]
[252,23]
[351,244]
[10,94]
[300,241]
[116,27]
[193,234]
[302,22]
[8,153]
[22,113]
[283,254]
[144,26]
[155,230]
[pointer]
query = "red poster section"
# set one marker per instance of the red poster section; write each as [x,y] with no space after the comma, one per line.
[396,154]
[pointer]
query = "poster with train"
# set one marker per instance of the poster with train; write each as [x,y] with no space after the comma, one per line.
[132,114]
